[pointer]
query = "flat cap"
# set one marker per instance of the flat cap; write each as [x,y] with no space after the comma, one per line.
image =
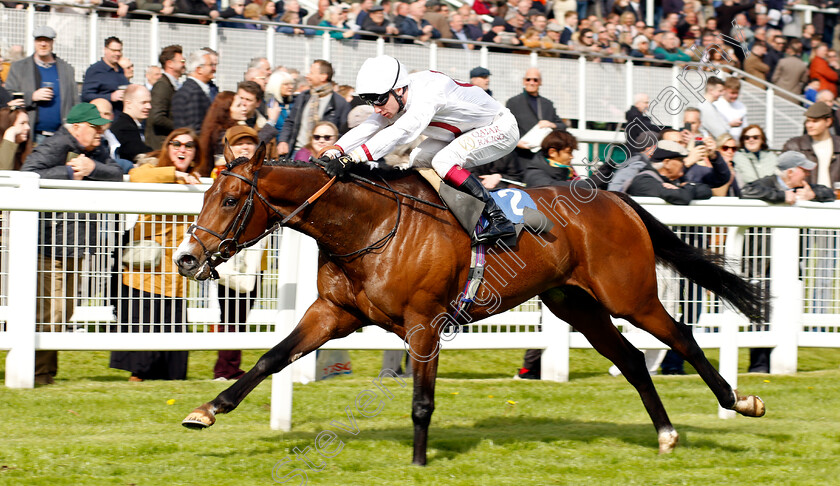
[44,31]
[668,149]
[818,110]
[479,72]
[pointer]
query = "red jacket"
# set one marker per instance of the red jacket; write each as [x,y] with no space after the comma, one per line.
[825,73]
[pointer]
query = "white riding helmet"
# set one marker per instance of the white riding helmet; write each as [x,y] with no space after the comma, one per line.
[379,75]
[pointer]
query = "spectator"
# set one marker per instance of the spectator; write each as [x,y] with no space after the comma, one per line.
[644,143]
[663,177]
[670,49]
[641,49]
[160,122]
[106,78]
[109,143]
[164,7]
[727,147]
[128,126]
[819,145]
[193,98]
[501,33]
[807,39]
[268,13]
[318,15]
[63,237]
[570,22]
[294,6]
[775,52]
[754,66]
[713,122]
[158,295]
[337,18]
[236,10]
[480,76]
[16,144]
[128,68]
[416,26]
[153,74]
[561,8]
[733,111]
[324,135]
[826,97]
[463,31]
[636,117]
[789,185]
[552,165]
[205,8]
[754,160]
[308,109]
[820,69]
[375,21]
[791,72]
[280,89]
[48,84]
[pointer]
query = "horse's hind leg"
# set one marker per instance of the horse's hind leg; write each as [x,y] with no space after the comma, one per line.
[654,319]
[591,318]
[323,321]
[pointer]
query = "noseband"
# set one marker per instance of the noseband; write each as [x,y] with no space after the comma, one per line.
[229,240]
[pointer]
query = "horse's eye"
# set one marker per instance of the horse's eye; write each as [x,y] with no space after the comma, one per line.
[229,202]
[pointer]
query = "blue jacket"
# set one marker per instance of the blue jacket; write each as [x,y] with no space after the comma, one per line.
[100,81]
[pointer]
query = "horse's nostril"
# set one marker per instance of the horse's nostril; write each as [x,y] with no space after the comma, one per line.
[187,261]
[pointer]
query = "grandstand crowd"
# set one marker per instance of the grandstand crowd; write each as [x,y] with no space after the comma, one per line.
[173,126]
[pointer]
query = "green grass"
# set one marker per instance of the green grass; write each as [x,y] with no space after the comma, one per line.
[93,427]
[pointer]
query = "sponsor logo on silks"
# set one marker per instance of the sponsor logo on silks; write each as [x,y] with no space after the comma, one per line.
[513,202]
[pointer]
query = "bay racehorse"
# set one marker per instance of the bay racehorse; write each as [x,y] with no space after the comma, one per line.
[394,262]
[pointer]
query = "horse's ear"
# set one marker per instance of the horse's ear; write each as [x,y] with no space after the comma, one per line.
[258,158]
[228,152]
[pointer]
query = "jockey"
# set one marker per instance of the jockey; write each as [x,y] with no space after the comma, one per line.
[465,128]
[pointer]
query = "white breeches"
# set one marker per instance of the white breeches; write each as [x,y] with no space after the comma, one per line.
[476,147]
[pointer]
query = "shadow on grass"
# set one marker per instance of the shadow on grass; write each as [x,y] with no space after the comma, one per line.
[515,432]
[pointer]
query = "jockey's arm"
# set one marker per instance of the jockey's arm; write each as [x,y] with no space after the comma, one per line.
[410,126]
[358,135]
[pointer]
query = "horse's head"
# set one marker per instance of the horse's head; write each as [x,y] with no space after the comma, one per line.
[231,218]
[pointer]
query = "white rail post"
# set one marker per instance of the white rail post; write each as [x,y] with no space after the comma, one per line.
[433,61]
[555,359]
[213,39]
[728,366]
[675,117]
[534,59]
[269,45]
[29,43]
[483,56]
[786,292]
[582,97]
[23,270]
[380,46]
[325,46]
[769,125]
[628,83]
[154,41]
[93,45]
[281,383]
[303,370]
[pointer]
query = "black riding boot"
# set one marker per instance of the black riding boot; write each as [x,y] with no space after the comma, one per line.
[499,225]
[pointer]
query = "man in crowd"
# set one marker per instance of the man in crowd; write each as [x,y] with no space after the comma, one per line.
[316,104]
[480,76]
[106,78]
[819,145]
[733,111]
[153,73]
[160,122]
[790,184]
[375,21]
[416,26]
[791,72]
[128,68]
[73,153]
[191,101]
[713,122]
[663,177]
[463,31]
[755,66]
[128,128]
[48,84]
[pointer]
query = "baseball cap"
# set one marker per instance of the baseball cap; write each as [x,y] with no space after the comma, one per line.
[791,159]
[479,72]
[44,31]
[818,110]
[668,149]
[238,132]
[86,113]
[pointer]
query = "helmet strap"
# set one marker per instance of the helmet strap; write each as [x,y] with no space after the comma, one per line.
[399,98]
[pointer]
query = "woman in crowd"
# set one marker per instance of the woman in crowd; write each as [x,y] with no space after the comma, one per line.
[16,145]
[336,16]
[727,146]
[268,12]
[293,18]
[152,293]
[323,135]
[221,115]
[553,163]
[754,160]
[281,90]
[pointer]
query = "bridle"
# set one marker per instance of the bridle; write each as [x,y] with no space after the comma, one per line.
[229,239]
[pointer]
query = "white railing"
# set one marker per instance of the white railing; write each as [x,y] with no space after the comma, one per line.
[803,279]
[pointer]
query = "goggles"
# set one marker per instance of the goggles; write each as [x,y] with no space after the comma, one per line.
[374,99]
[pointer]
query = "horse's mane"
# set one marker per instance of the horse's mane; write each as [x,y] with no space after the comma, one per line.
[382,171]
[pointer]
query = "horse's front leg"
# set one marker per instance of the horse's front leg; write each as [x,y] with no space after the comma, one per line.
[323,321]
[423,345]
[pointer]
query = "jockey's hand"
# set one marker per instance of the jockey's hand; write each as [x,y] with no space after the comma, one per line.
[336,167]
[331,154]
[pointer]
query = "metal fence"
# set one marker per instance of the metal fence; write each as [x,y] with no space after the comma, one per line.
[581,90]
[791,250]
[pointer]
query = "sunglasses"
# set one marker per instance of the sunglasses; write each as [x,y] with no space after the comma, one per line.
[177,144]
[374,99]
[325,138]
[752,137]
[728,148]
[536,80]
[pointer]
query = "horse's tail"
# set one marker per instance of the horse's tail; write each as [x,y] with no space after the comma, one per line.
[701,267]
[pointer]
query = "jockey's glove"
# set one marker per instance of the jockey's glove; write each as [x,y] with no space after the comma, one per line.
[359,154]
[331,154]
[337,167]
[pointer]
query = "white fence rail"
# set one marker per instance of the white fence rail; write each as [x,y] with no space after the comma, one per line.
[793,249]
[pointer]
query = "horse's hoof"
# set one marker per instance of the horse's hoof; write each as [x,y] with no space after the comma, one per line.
[750,406]
[667,441]
[200,418]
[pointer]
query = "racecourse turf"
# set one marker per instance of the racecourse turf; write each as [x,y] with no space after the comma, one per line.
[94,427]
